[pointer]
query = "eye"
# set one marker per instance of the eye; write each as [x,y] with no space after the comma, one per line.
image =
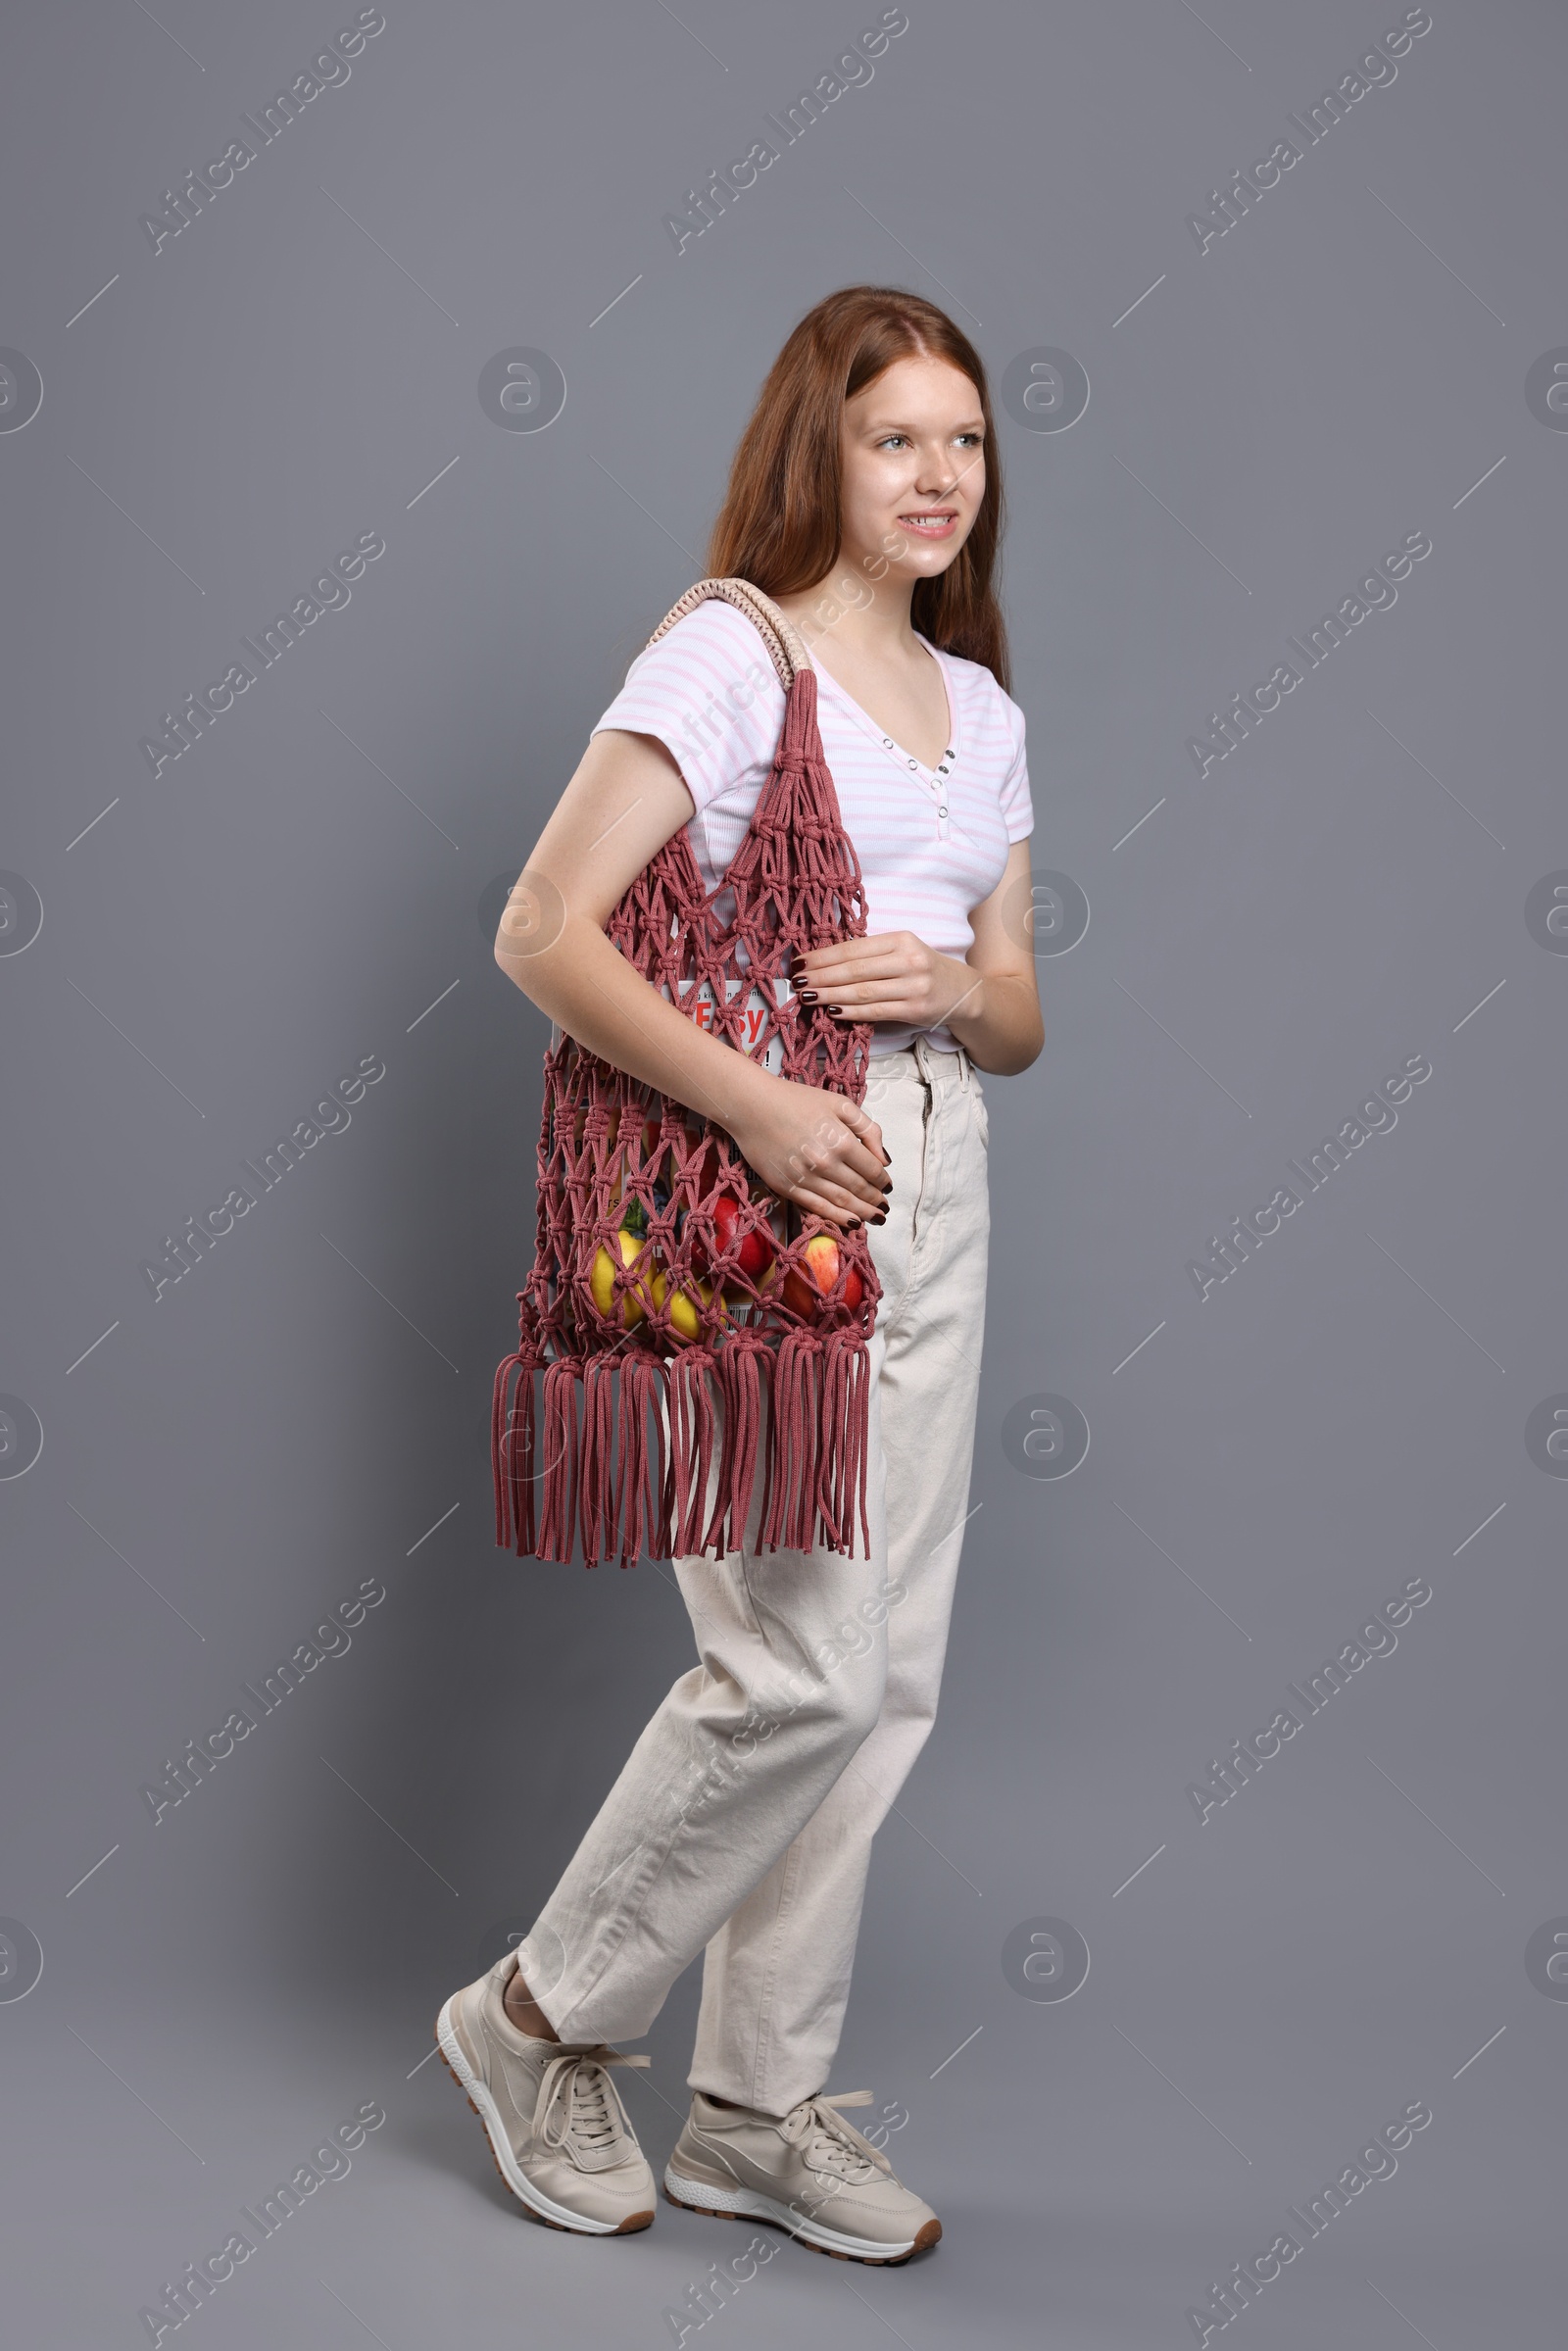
[888,439]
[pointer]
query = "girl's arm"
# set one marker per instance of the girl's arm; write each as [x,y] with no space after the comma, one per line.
[991,1000]
[625,800]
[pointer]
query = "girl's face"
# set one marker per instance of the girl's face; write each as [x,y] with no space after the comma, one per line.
[912,453]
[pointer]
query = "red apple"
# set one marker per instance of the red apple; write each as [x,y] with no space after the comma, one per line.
[755,1251]
[757,1247]
[823,1259]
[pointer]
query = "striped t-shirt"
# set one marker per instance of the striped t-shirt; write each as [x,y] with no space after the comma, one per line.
[932,841]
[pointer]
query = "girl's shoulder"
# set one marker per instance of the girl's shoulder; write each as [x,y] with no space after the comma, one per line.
[714,641]
[710,693]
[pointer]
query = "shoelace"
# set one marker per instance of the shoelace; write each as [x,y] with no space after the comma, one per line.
[578,2109]
[828,2143]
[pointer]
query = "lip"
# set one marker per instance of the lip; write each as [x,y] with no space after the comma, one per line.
[940,524]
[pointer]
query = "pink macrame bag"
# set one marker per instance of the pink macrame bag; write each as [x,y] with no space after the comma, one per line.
[669,1282]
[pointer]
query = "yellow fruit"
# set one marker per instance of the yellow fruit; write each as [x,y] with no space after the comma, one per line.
[602,1283]
[683,1315]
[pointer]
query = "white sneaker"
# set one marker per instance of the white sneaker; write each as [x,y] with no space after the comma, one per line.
[556,2124]
[811,2170]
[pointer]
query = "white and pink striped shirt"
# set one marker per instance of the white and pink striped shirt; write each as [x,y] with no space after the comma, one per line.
[932,841]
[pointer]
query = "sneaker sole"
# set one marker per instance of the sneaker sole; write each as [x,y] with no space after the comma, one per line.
[538,2204]
[747,2204]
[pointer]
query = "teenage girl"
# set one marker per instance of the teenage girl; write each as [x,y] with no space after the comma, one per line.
[865,501]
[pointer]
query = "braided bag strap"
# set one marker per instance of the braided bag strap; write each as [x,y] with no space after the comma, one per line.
[785,644]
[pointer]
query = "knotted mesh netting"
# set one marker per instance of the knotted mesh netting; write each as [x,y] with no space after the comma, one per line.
[672,1292]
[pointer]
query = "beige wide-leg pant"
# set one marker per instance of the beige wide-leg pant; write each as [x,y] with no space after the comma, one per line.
[742,1823]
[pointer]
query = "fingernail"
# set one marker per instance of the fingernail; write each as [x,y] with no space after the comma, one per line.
[855,1224]
[880,1217]
[835,1008]
[888,1158]
[808,996]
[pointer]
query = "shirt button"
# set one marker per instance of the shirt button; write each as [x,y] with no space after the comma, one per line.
[887,742]
[941,811]
[914,762]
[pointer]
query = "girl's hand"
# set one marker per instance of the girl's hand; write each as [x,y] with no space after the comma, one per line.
[894,976]
[818,1150]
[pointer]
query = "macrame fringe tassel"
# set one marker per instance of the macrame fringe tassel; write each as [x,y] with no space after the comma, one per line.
[691,1428]
[626,1499]
[512,1441]
[740,1368]
[559,1512]
[791,1463]
[597,1466]
[845,1428]
[645,1486]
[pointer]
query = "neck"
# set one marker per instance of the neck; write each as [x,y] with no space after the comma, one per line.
[878,627]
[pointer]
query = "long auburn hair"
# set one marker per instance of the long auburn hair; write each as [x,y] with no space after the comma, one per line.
[779,525]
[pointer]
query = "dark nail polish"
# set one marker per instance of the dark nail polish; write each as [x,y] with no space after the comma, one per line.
[808,996]
[836,1008]
[888,1158]
[880,1217]
[855,1224]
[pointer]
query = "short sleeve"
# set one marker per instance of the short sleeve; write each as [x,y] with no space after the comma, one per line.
[1017,806]
[710,693]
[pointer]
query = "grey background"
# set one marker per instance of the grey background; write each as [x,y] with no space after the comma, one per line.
[304,886]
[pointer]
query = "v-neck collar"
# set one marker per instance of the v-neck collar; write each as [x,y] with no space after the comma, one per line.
[895,751]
